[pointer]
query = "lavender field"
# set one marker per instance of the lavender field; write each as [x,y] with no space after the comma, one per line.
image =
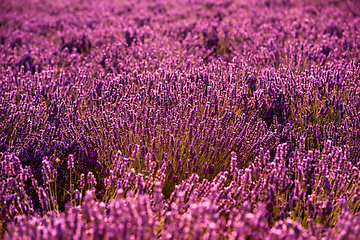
[180,119]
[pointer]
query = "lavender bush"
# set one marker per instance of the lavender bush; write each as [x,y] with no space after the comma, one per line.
[181,119]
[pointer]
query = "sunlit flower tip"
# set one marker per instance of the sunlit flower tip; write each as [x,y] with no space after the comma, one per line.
[82,181]
[71,162]
[57,160]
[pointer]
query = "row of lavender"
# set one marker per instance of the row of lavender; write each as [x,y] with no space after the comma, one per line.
[190,119]
[311,195]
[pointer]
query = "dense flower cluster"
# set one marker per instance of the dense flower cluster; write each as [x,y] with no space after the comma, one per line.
[187,119]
